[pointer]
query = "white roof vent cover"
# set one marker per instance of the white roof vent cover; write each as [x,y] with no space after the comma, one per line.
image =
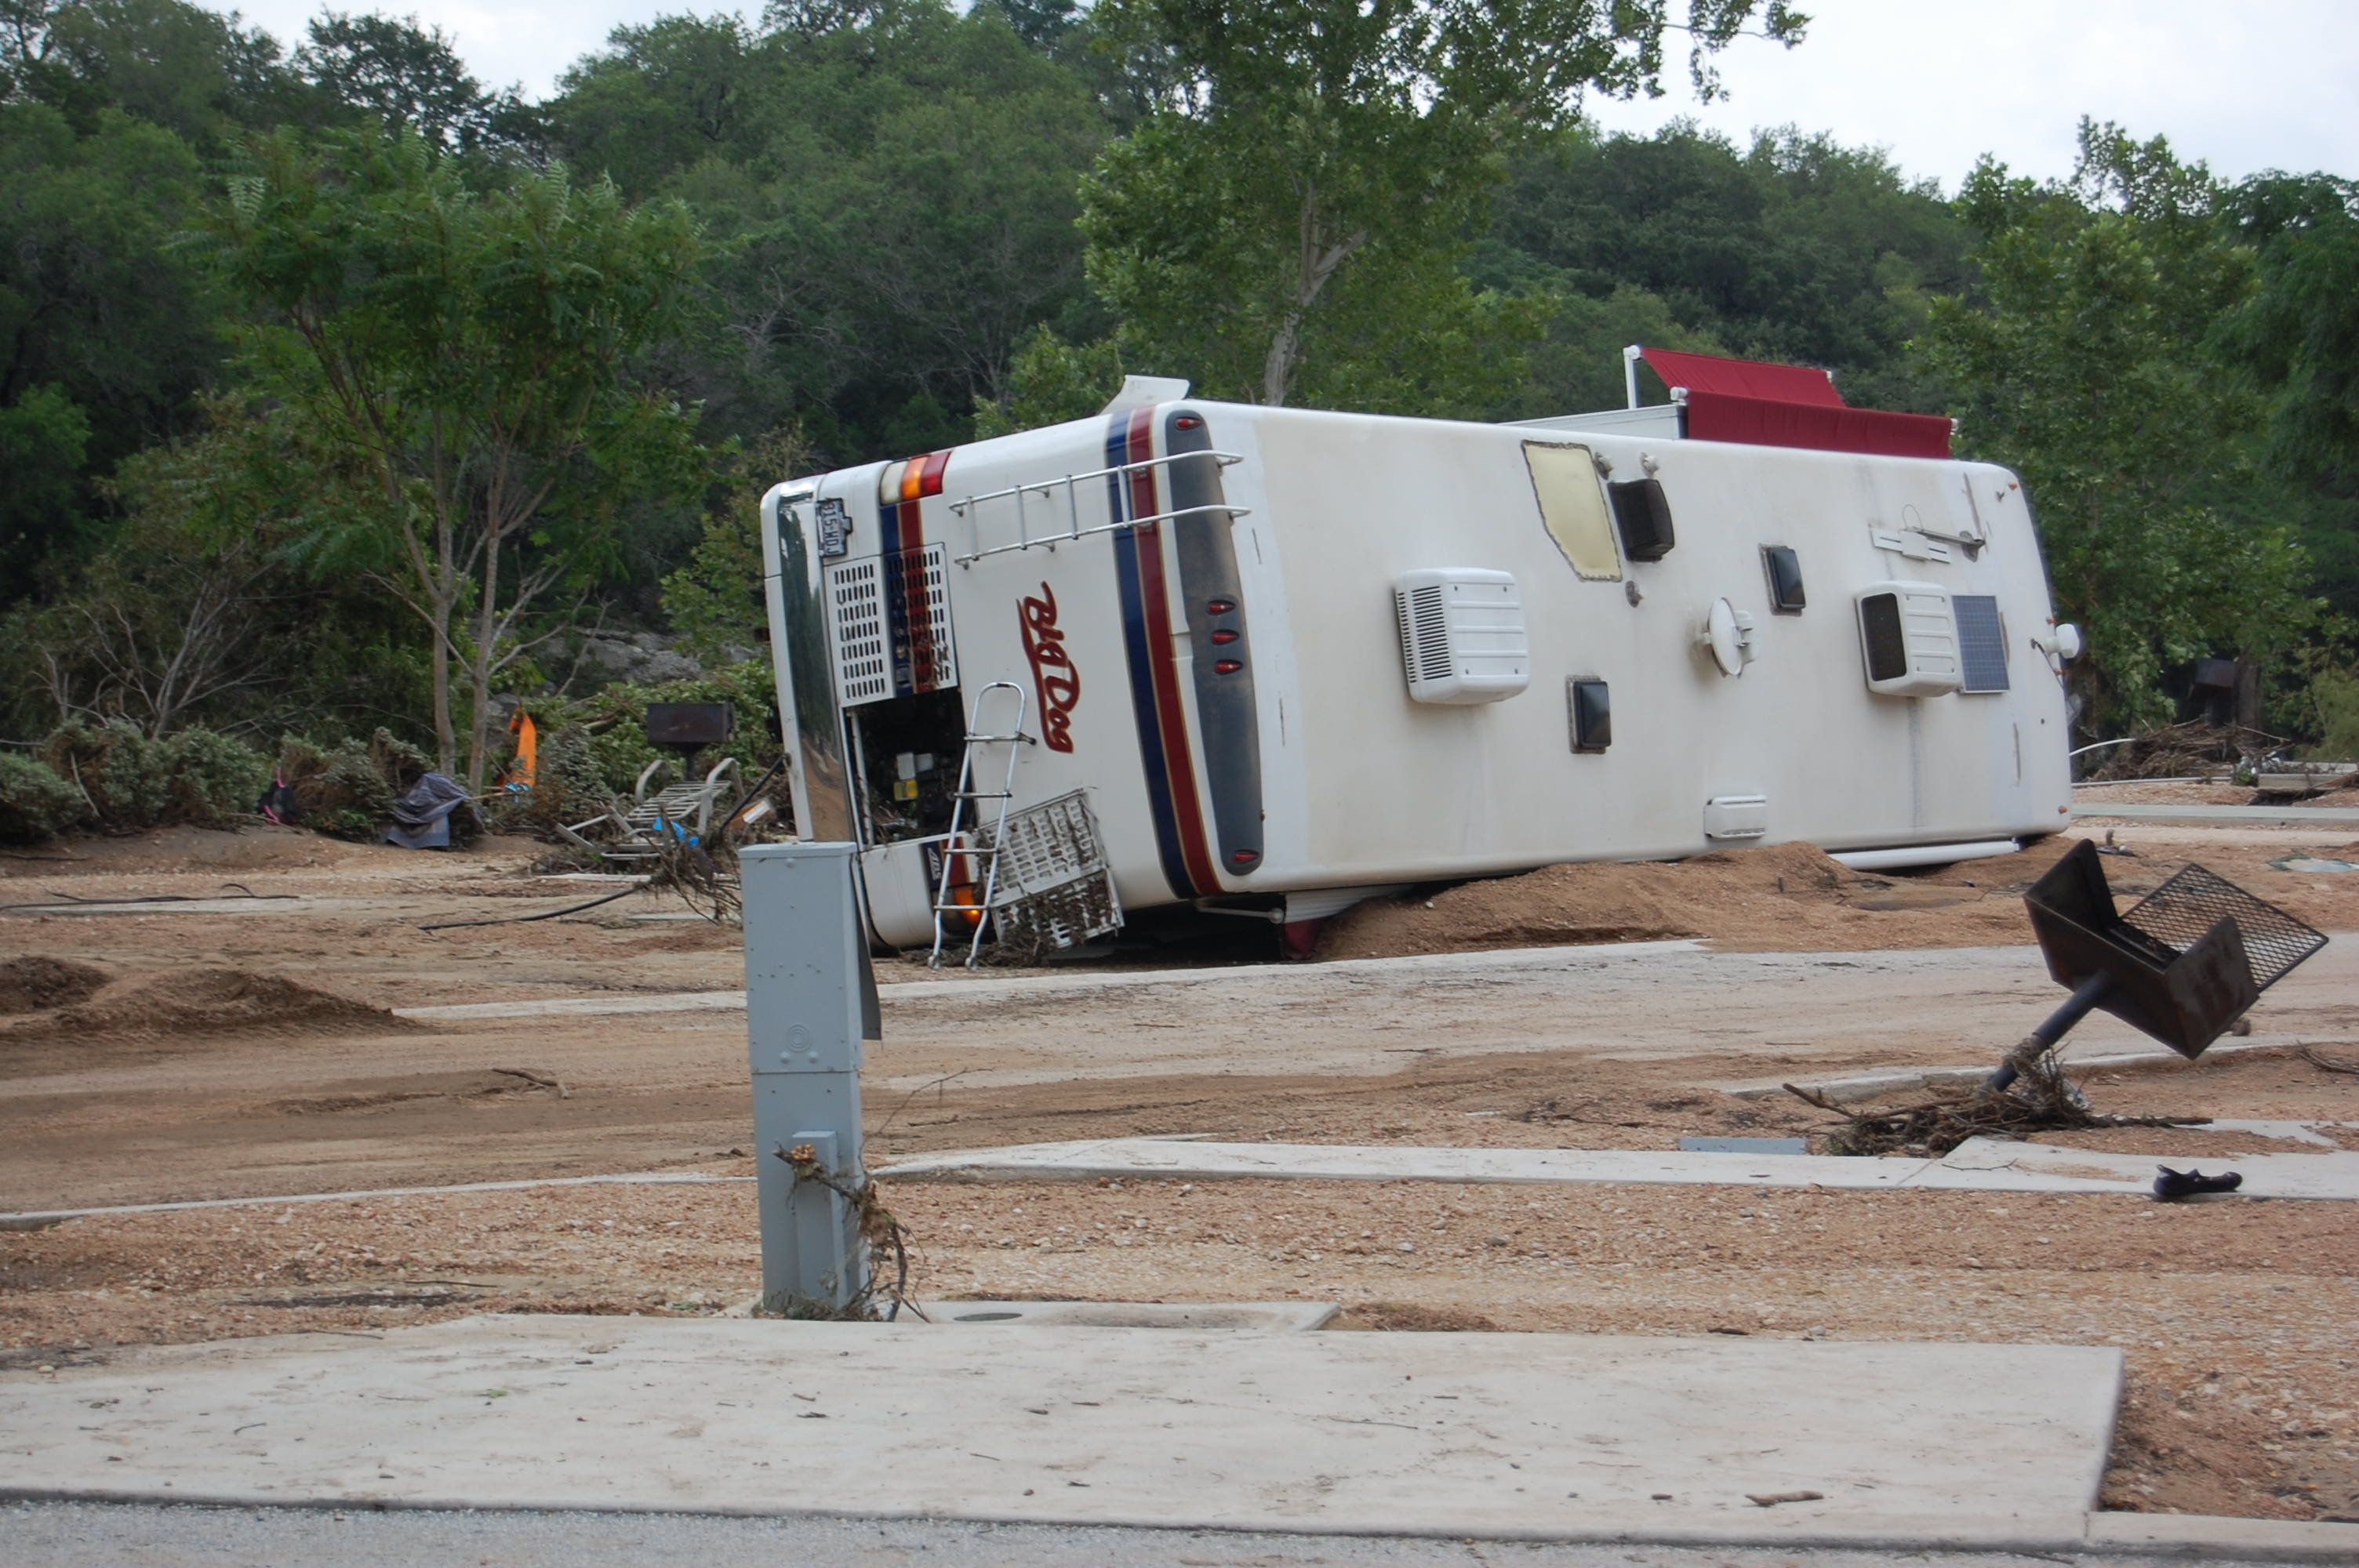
[1462,634]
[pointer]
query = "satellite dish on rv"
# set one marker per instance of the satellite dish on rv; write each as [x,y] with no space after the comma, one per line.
[1145,392]
[1728,632]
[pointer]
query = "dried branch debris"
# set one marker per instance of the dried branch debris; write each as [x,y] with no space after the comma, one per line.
[2041,1099]
[880,1232]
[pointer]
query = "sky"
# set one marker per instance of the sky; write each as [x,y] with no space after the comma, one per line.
[2245,86]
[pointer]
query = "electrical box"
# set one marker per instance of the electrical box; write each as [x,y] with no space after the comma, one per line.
[1909,637]
[1462,634]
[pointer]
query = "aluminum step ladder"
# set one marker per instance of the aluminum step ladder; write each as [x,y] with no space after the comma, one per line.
[968,807]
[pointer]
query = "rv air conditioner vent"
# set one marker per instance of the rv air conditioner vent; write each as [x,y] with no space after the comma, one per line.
[1785,569]
[1644,517]
[1981,640]
[1462,635]
[1909,635]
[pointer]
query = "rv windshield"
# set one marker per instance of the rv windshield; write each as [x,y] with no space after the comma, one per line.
[808,720]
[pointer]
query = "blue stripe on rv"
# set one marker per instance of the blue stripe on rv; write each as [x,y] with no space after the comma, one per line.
[1136,644]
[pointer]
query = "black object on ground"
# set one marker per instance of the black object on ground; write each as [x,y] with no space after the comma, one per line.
[421,818]
[2183,964]
[2173,1184]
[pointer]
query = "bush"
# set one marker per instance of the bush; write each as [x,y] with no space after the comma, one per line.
[338,790]
[134,781]
[35,804]
[213,778]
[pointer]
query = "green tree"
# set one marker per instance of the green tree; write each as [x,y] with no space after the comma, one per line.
[469,364]
[105,327]
[408,75]
[1289,221]
[2299,334]
[2085,370]
[197,608]
[194,72]
[1795,249]
[896,193]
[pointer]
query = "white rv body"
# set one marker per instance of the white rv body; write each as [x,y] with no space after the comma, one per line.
[1293,766]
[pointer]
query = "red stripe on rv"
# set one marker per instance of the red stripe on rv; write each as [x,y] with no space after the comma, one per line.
[924,673]
[1171,714]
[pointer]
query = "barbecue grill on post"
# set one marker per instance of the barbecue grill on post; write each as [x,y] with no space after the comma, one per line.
[2183,964]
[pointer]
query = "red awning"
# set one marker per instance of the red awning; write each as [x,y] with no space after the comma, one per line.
[1788,406]
[1745,378]
[1757,421]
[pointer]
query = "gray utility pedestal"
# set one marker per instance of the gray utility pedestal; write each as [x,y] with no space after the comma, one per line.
[811,1000]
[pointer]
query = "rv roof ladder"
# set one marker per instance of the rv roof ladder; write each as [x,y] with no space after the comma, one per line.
[966,814]
[1046,489]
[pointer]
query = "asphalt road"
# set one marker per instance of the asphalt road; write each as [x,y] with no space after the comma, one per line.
[87,1535]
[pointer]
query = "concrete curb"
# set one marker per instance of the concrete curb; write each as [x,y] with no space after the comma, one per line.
[42,1219]
[2190,1537]
[1867,1086]
[2342,817]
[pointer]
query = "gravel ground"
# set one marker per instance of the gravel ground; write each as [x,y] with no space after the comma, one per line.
[2236,1318]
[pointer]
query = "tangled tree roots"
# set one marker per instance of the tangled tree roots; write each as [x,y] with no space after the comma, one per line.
[705,876]
[2041,1099]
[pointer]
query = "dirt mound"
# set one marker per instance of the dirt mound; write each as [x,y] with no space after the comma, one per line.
[208,1002]
[35,985]
[1784,896]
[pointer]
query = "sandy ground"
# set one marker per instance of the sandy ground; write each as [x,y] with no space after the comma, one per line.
[243,1047]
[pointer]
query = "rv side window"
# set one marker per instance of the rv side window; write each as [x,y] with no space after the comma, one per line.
[1785,569]
[1573,507]
[1591,713]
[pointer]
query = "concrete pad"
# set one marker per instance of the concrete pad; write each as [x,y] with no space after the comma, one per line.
[583,1006]
[1270,1317]
[2330,1176]
[1977,1165]
[1460,1435]
[1089,1158]
[2339,818]
[1897,1080]
[2215,1536]
[38,1220]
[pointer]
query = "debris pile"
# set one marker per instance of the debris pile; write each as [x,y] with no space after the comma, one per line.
[205,1001]
[38,984]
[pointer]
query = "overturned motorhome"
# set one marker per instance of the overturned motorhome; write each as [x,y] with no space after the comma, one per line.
[1281,660]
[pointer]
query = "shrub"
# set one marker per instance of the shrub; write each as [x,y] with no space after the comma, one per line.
[338,790]
[213,778]
[134,781]
[36,803]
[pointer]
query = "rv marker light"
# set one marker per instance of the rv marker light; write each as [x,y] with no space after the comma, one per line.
[1224,635]
[1227,666]
[1187,422]
[1219,606]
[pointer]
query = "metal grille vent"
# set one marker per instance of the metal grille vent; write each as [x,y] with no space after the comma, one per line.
[2179,912]
[918,596]
[1052,890]
[1981,640]
[1424,633]
[856,593]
